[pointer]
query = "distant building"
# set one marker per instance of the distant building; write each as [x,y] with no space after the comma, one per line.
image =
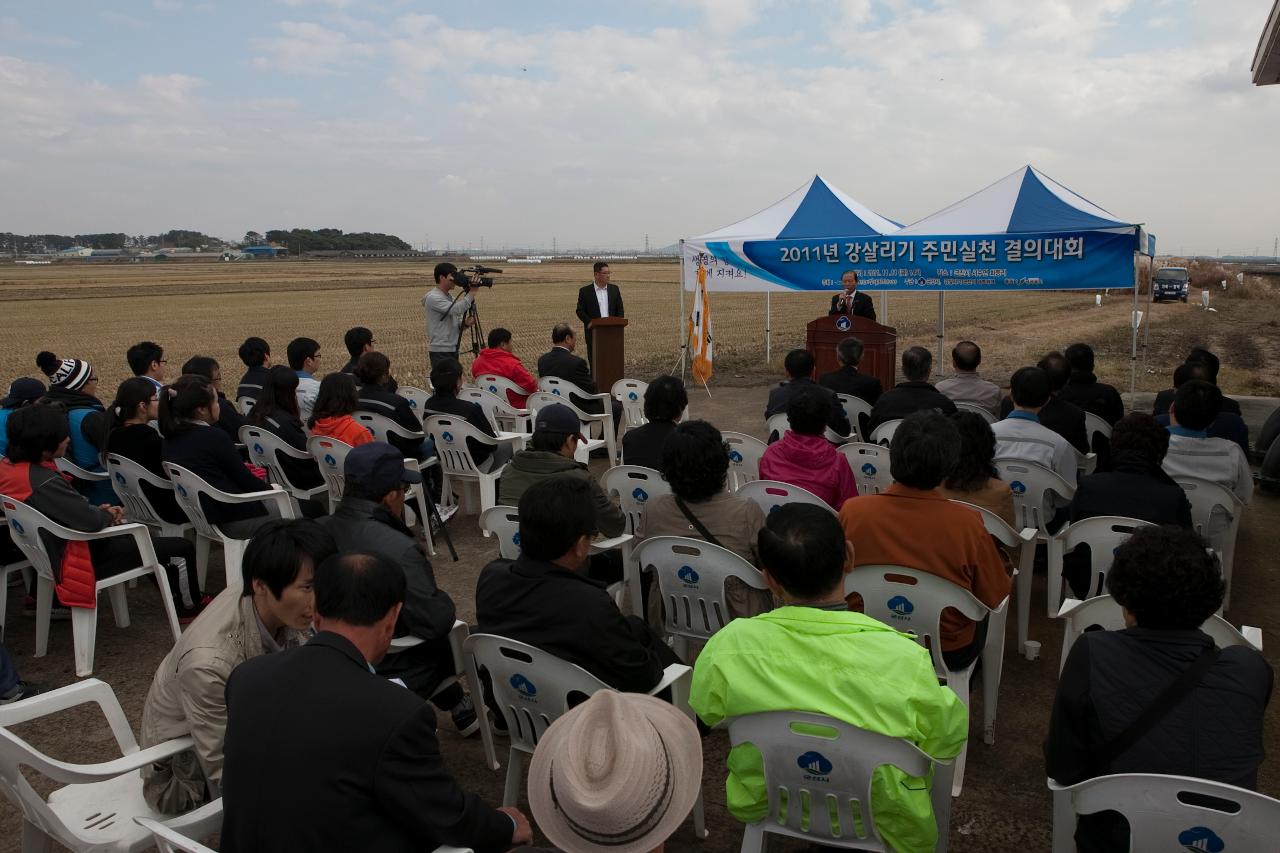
[260,251]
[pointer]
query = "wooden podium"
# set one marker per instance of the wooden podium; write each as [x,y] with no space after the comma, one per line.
[880,345]
[607,351]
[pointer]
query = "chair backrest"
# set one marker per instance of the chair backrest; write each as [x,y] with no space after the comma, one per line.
[381,426]
[451,435]
[1176,812]
[179,834]
[691,575]
[245,404]
[66,466]
[911,600]
[331,455]
[966,406]
[1029,482]
[745,452]
[265,449]
[499,385]
[504,523]
[634,486]
[538,400]
[630,393]
[855,409]
[776,426]
[995,525]
[558,387]
[25,524]
[490,402]
[1103,534]
[771,494]
[883,434]
[127,478]
[870,464]
[187,488]
[1094,424]
[1215,510]
[818,774]
[417,398]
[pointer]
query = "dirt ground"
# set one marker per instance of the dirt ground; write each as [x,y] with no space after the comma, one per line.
[1004,806]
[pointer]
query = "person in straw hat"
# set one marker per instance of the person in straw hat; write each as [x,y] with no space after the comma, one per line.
[620,772]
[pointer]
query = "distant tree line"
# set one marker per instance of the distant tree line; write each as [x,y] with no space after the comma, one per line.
[36,243]
[321,239]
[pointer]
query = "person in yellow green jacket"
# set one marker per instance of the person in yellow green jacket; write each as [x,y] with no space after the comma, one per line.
[813,654]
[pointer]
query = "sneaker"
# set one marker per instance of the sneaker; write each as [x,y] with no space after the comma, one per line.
[464,717]
[23,690]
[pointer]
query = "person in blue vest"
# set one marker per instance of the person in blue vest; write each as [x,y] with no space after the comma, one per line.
[73,383]
[23,392]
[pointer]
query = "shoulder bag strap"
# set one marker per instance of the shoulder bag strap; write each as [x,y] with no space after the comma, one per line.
[697,525]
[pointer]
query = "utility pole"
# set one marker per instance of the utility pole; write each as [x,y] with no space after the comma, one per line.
[646,244]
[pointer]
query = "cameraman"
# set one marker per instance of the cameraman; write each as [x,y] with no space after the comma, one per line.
[446,316]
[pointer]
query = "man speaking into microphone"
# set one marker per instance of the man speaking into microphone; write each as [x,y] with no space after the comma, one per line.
[598,299]
[851,302]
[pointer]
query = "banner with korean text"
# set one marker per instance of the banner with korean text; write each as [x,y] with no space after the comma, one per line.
[1081,260]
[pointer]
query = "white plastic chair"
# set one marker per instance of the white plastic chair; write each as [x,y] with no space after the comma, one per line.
[1163,817]
[745,452]
[870,464]
[417,398]
[771,494]
[634,486]
[1025,541]
[814,764]
[93,809]
[23,565]
[245,405]
[451,435]
[382,427]
[500,414]
[265,449]
[1103,611]
[911,600]
[188,489]
[855,409]
[691,579]
[965,406]
[1093,424]
[500,385]
[775,427]
[539,399]
[1086,463]
[561,389]
[1103,534]
[182,834]
[1215,512]
[66,466]
[630,393]
[883,434]
[533,689]
[25,525]
[331,455]
[127,478]
[1031,484]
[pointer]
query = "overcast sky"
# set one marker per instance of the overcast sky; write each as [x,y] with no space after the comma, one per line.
[598,123]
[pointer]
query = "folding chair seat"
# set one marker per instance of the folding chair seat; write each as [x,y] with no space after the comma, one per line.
[976,409]
[1215,513]
[1025,541]
[883,434]
[630,393]
[870,464]
[1032,484]
[565,391]
[1102,534]
[184,833]
[265,449]
[771,494]
[538,399]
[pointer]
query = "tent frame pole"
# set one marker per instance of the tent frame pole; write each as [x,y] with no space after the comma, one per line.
[1134,323]
[884,307]
[1151,297]
[768,330]
[942,325]
[681,324]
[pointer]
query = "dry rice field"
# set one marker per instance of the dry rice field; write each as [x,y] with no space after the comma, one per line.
[96,311]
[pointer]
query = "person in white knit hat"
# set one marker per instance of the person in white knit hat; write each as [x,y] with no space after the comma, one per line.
[620,772]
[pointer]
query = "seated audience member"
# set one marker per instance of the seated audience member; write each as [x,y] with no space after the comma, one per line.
[1084,390]
[1021,436]
[500,359]
[1212,729]
[911,524]
[799,366]
[1135,487]
[38,436]
[642,754]
[370,519]
[814,654]
[545,598]
[74,384]
[914,394]
[22,392]
[1198,356]
[378,395]
[1192,453]
[358,341]
[664,403]
[694,463]
[332,414]
[974,478]
[229,418]
[14,689]
[147,361]
[129,434]
[277,412]
[847,380]
[256,355]
[803,457]
[272,612]
[965,385]
[304,359]
[1226,425]
[560,362]
[188,411]
[364,766]
[446,378]
[1066,419]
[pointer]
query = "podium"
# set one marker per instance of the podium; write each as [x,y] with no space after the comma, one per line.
[879,343]
[607,351]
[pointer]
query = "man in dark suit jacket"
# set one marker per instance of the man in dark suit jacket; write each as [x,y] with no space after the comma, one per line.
[363,765]
[852,302]
[913,395]
[589,298]
[1064,418]
[1084,390]
[563,364]
[799,366]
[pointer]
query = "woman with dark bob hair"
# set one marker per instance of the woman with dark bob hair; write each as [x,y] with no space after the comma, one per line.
[1168,584]
[664,402]
[974,479]
[695,462]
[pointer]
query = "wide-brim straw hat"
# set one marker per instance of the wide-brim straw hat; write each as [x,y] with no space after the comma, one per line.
[620,772]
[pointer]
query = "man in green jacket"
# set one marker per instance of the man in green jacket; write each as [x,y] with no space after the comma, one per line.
[813,654]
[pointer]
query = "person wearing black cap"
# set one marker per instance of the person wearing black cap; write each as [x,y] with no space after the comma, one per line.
[23,392]
[370,519]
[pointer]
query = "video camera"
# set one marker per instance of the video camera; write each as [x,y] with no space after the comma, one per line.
[462,278]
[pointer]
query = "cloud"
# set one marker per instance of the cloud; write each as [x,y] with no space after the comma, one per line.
[309,48]
[12,30]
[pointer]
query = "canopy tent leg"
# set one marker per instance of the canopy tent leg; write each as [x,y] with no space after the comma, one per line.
[768,331]
[1151,296]
[682,324]
[884,308]
[1134,322]
[942,325]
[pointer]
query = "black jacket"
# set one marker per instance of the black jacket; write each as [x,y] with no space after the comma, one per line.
[1164,401]
[207,452]
[441,404]
[588,307]
[252,381]
[142,444]
[905,398]
[1134,489]
[779,398]
[1066,419]
[862,306]
[229,418]
[847,380]
[303,473]
[1112,676]
[643,445]
[383,400]
[1085,391]
[361,765]
[568,615]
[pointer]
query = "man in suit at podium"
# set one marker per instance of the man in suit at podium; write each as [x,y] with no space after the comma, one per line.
[598,299]
[850,302]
